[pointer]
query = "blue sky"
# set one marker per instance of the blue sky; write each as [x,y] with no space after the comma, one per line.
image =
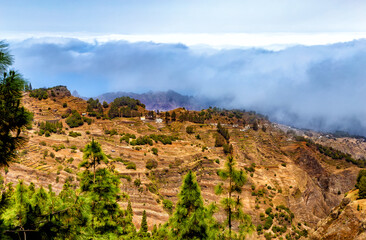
[188,16]
[300,62]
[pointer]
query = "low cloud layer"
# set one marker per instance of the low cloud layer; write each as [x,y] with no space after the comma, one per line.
[316,87]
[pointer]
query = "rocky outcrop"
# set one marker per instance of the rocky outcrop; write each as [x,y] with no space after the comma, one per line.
[347,221]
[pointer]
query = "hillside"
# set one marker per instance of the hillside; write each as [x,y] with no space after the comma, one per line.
[346,221]
[283,172]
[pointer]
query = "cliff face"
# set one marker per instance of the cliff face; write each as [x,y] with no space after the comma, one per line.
[347,221]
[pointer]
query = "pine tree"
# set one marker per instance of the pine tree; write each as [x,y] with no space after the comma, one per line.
[102,195]
[13,116]
[144,227]
[174,116]
[129,208]
[362,187]
[167,117]
[236,180]
[93,155]
[190,219]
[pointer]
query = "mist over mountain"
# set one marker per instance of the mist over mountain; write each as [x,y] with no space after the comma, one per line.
[158,100]
[316,87]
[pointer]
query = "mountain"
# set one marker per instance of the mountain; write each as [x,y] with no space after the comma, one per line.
[296,177]
[164,101]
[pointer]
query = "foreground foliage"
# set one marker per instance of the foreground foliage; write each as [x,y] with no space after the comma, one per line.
[13,116]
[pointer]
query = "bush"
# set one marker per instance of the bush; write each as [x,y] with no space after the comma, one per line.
[168,205]
[58,147]
[190,129]
[154,151]
[137,182]
[220,140]
[152,188]
[40,93]
[47,128]
[151,163]
[74,120]
[228,148]
[64,105]
[127,177]
[361,185]
[223,132]
[255,126]
[142,141]
[87,120]
[268,223]
[74,134]
[131,165]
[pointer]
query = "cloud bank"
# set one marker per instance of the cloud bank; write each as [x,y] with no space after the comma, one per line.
[317,87]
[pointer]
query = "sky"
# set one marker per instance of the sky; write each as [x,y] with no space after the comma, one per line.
[300,62]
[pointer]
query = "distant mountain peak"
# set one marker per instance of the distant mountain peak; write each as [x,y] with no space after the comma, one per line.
[159,100]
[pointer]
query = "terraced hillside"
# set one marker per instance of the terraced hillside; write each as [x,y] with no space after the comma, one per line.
[281,170]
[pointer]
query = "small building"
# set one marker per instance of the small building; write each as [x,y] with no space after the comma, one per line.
[83,114]
[143,118]
[159,120]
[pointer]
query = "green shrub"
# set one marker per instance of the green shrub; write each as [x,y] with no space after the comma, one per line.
[228,148]
[74,120]
[219,141]
[47,128]
[151,163]
[154,151]
[40,93]
[127,177]
[87,120]
[131,165]
[137,182]
[168,205]
[152,188]
[190,129]
[268,223]
[74,134]
[58,147]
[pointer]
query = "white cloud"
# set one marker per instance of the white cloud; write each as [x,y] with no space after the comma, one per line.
[270,41]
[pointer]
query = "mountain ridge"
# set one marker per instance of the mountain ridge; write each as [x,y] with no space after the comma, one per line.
[155,100]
